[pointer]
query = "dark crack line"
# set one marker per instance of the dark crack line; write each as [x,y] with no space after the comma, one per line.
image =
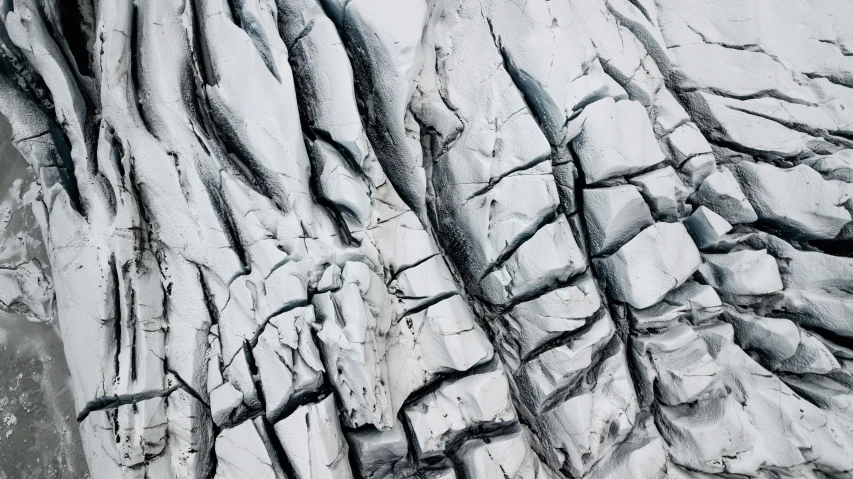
[429,303]
[535,294]
[837,140]
[761,94]
[407,267]
[189,389]
[519,240]
[112,402]
[480,431]
[497,179]
[440,379]
[642,10]
[587,380]
[569,337]
[255,337]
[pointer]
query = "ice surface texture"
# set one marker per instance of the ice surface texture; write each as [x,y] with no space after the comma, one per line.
[441,238]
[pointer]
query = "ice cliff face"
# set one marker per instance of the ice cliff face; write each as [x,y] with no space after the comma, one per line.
[443,238]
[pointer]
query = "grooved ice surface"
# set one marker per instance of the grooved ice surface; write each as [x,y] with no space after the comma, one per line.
[428,238]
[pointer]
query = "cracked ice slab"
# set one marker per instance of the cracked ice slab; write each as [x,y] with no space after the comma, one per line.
[706,227]
[673,366]
[494,188]
[686,142]
[241,454]
[748,73]
[622,54]
[557,370]
[421,284]
[531,324]
[549,257]
[653,263]
[812,42]
[322,71]
[664,192]
[352,325]
[507,456]
[694,171]
[754,134]
[614,215]
[742,272]
[560,83]
[721,193]
[287,359]
[442,339]
[693,301]
[313,441]
[433,332]
[474,401]
[576,434]
[816,293]
[616,139]
[797,199]
[829,125]
[385,42]
[380,453]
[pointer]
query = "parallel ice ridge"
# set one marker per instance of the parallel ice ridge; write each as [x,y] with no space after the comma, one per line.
[442,238]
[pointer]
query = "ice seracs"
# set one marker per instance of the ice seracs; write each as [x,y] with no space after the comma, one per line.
[797,199]
[545,377]
[475,401]
[595,417]
[691,301]
[510,456]
[313,442]
[616,139]
[380,453]
[442,239]
[223,401]
[641,455]
[742,272]
[722,194]
[240,453]
[652,264]
[838,166]
[676,363]
[780,345]
[664,192]
[706,227]
[613,216]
